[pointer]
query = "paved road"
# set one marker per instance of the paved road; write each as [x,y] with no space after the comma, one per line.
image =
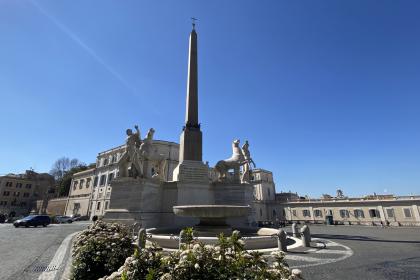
[26,252]
[377,253]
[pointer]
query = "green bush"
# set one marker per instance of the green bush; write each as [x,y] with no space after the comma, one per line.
[226,260]
[100,250]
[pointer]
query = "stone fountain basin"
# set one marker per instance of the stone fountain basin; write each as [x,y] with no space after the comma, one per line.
[255,238]
[211,211]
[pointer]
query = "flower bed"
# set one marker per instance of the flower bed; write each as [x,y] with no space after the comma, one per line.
[226,260]
[100,250]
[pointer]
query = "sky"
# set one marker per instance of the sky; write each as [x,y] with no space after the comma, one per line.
[326,92]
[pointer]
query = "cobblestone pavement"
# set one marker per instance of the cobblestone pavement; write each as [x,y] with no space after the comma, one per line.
[27,252]
[357,252]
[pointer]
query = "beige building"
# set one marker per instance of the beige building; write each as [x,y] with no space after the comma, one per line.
[80,194]
[368,210]
[19,192]
[106,170]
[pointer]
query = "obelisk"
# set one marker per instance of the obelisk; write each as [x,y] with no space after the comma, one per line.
[191,174]
[191,137]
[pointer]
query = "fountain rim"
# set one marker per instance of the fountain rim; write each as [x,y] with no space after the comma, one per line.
[212,211]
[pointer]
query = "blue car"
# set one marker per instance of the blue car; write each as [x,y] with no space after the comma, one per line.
[33,220]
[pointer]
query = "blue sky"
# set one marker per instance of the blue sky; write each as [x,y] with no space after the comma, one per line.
[326,92]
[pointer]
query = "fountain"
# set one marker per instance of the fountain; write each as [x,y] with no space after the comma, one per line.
[210,204]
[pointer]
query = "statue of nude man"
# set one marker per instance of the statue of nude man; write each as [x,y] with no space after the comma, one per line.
[247,163]
[129,164]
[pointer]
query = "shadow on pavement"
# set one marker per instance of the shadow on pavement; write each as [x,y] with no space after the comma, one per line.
[361,238]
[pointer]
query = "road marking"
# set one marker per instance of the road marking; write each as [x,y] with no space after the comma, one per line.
[301,258]
[312,260]
[327,251]
[58,258]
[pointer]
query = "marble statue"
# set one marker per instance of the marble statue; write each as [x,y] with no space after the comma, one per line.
[146,147]
[130,164]
[246,169]
[154,164]
[234,162]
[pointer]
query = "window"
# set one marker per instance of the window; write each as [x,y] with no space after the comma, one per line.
[102,180]
[82,183]
[110,177]
[274,213]
[23,204]
[358,213]
[407,212]
[3,203]
[76,207]
[16,194]
[26,194]
[95,181]
[269,194]
[114,158]
[344,213]
[9,184]
[75,183]
[306,213]
[294,213]
[373,213]
[88,182]
[105,161]
[106,204]
[260,212]
[330,212]
[98,205]
[390,213]
[19,185]
[6,193]
[28,186]
[317,213]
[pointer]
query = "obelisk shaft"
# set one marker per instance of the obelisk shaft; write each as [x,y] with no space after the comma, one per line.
[191,137]
[191,115]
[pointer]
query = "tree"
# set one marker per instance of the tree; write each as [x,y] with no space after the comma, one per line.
[62,165]
[63,170]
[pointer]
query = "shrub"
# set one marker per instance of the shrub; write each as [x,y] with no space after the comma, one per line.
[226,260]
[100,250]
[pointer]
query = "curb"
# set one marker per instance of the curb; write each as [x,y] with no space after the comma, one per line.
[68,266]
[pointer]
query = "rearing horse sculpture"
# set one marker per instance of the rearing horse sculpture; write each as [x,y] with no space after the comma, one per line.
[234,162]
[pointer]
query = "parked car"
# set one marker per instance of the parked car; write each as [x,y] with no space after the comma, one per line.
[76,217]
[11,220]
[33,220]
[63,219]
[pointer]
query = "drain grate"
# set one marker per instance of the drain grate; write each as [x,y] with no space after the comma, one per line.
[45,268]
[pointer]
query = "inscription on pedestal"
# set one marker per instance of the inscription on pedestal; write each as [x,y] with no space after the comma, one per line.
[193,171]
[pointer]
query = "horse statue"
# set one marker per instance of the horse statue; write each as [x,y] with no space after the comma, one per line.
[234,162]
